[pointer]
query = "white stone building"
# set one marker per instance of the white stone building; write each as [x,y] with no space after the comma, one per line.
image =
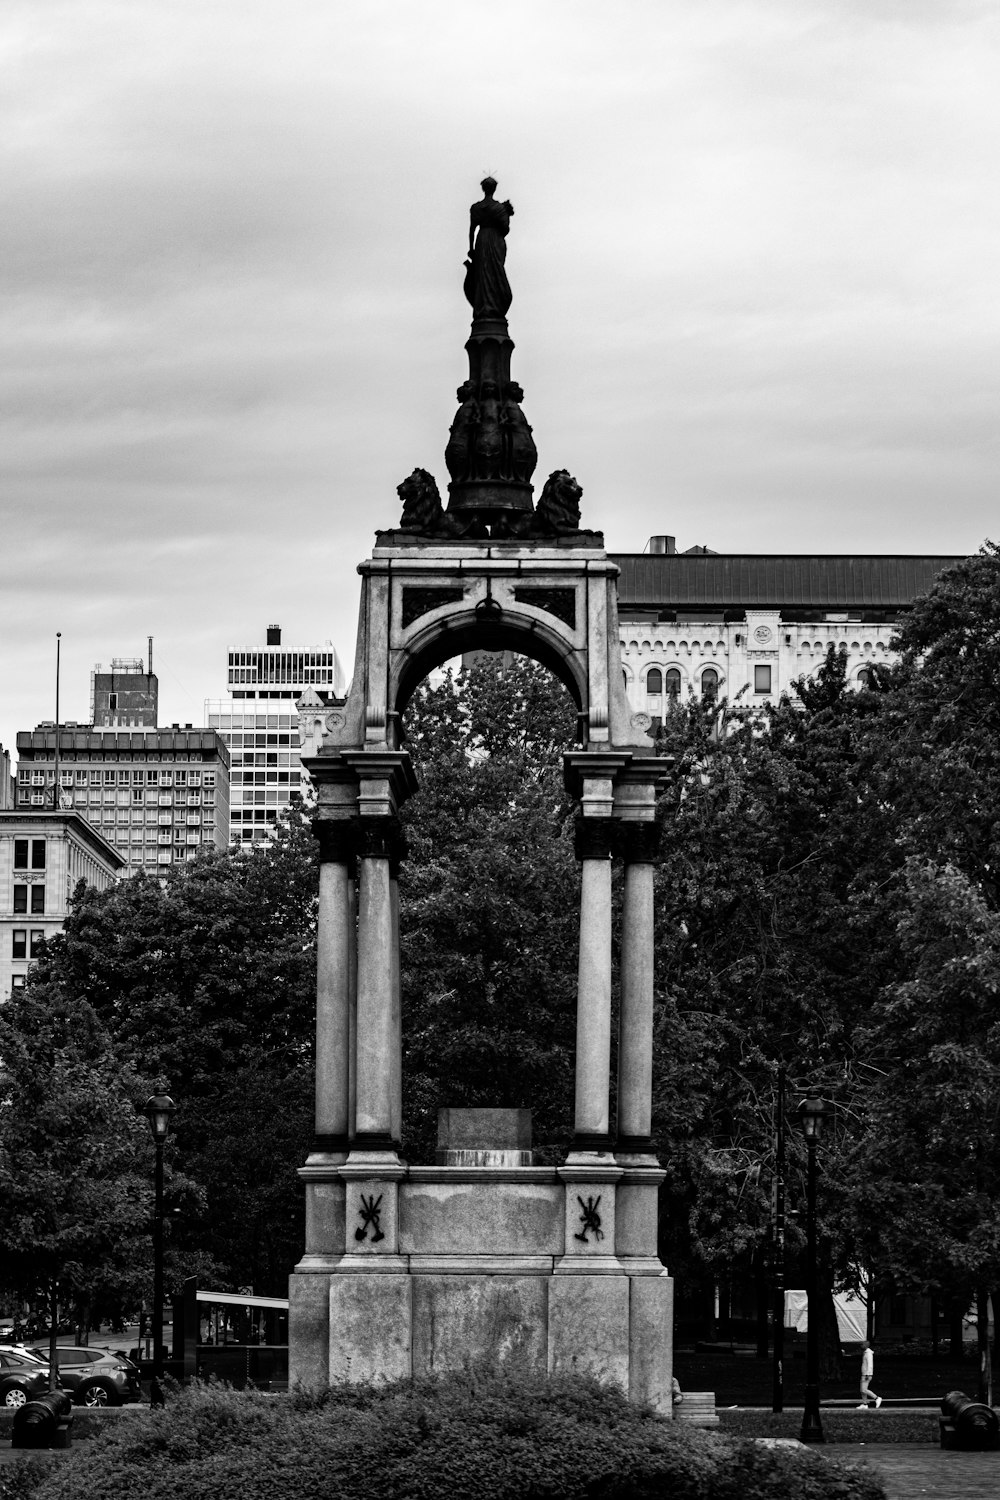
[43,854]
[746,626]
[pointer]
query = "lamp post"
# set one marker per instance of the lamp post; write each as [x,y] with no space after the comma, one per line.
[811,1113]
[158,1109]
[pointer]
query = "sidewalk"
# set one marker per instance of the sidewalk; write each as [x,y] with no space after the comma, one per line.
[911,1471]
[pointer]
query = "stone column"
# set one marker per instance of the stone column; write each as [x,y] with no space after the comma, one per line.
[334,940]
[594,838]
[639,843]
[377,963]
[396,1111]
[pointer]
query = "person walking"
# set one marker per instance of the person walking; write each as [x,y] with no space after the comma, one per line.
[867,1371]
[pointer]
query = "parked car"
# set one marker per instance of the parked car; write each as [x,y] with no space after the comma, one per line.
[96,1377]
[22,1378]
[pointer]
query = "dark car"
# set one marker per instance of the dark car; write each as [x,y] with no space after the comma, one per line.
[21,1378]
[96,1377]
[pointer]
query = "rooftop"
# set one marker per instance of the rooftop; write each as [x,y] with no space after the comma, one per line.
[774,580]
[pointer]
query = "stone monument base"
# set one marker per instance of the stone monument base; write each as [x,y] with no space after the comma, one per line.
[413,1271]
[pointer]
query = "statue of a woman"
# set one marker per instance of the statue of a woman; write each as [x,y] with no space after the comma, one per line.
[486,284]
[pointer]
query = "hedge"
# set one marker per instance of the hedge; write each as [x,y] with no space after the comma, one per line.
[475,1436]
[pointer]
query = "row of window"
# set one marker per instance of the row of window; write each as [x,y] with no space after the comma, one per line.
[264,778]
[656,681]
[237,740]
[102,777]
[37,899]
[286,758]
[29,849]
[27,944]
[254,721]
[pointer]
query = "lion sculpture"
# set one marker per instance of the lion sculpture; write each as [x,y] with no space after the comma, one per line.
[558,510]
[421,502]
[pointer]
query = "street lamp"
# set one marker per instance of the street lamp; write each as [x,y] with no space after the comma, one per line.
[811,1113]
[158,1109]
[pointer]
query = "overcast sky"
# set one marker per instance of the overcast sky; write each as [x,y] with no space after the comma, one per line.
[754,262]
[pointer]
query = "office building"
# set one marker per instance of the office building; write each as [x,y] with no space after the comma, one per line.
[43,854]
[260,725]
[157,795]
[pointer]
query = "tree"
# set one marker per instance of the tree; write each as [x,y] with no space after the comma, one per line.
[75,1179]
[489,902]
[209,981]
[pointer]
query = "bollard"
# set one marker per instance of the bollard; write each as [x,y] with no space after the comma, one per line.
[968,1424]
[44,1422]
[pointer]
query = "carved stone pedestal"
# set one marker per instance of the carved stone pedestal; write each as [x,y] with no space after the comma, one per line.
[514,1263]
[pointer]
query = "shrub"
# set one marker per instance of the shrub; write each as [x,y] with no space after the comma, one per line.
[477,1436]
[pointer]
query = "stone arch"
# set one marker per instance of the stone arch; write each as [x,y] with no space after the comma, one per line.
[443,639]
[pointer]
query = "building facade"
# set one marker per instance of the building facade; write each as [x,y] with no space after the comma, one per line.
[43,854]
[260,726]
[157,795]
[745,627]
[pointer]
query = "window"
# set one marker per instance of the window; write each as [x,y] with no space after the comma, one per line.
[710,684]
[110,778]
[113,702]
[37,939]
[654,681]
[20,940]
[38,799]
[20,898]
[38,854]
[17,982]
[20,854]
[762,679]
[38,900]
[673,682]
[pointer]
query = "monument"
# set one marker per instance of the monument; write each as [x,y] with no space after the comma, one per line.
[412,1269]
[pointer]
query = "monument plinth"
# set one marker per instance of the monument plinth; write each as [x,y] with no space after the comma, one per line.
[413,1269]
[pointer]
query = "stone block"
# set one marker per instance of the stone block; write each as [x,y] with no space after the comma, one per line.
[651,1341]
[489,1218]
[589,1327]
[463,1319]
[309,1329]
[325,1218]
[637,1217]
[369,1327]
[483,1130]
[590,1219]
[371,1216]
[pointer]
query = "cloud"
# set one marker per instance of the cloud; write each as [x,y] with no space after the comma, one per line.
[753,263]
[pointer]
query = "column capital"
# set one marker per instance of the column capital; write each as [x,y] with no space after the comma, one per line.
[337,839]
[594,838]
[381,838]
[639,843]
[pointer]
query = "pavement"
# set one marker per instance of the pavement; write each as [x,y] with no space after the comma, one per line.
[912,1470]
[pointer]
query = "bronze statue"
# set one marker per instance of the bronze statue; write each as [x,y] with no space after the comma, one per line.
[558,509]
[486,284]
[421,502]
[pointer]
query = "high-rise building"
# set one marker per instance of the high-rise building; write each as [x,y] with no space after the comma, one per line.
[260,725]
[157,795]
[43,854]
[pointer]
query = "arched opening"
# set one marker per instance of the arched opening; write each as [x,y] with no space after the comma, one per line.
[456,638]
[710,684]
[489,900]
[673,682]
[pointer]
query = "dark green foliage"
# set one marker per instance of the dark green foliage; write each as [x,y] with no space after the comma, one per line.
[473,1436]
[489,902]
[75,1173]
